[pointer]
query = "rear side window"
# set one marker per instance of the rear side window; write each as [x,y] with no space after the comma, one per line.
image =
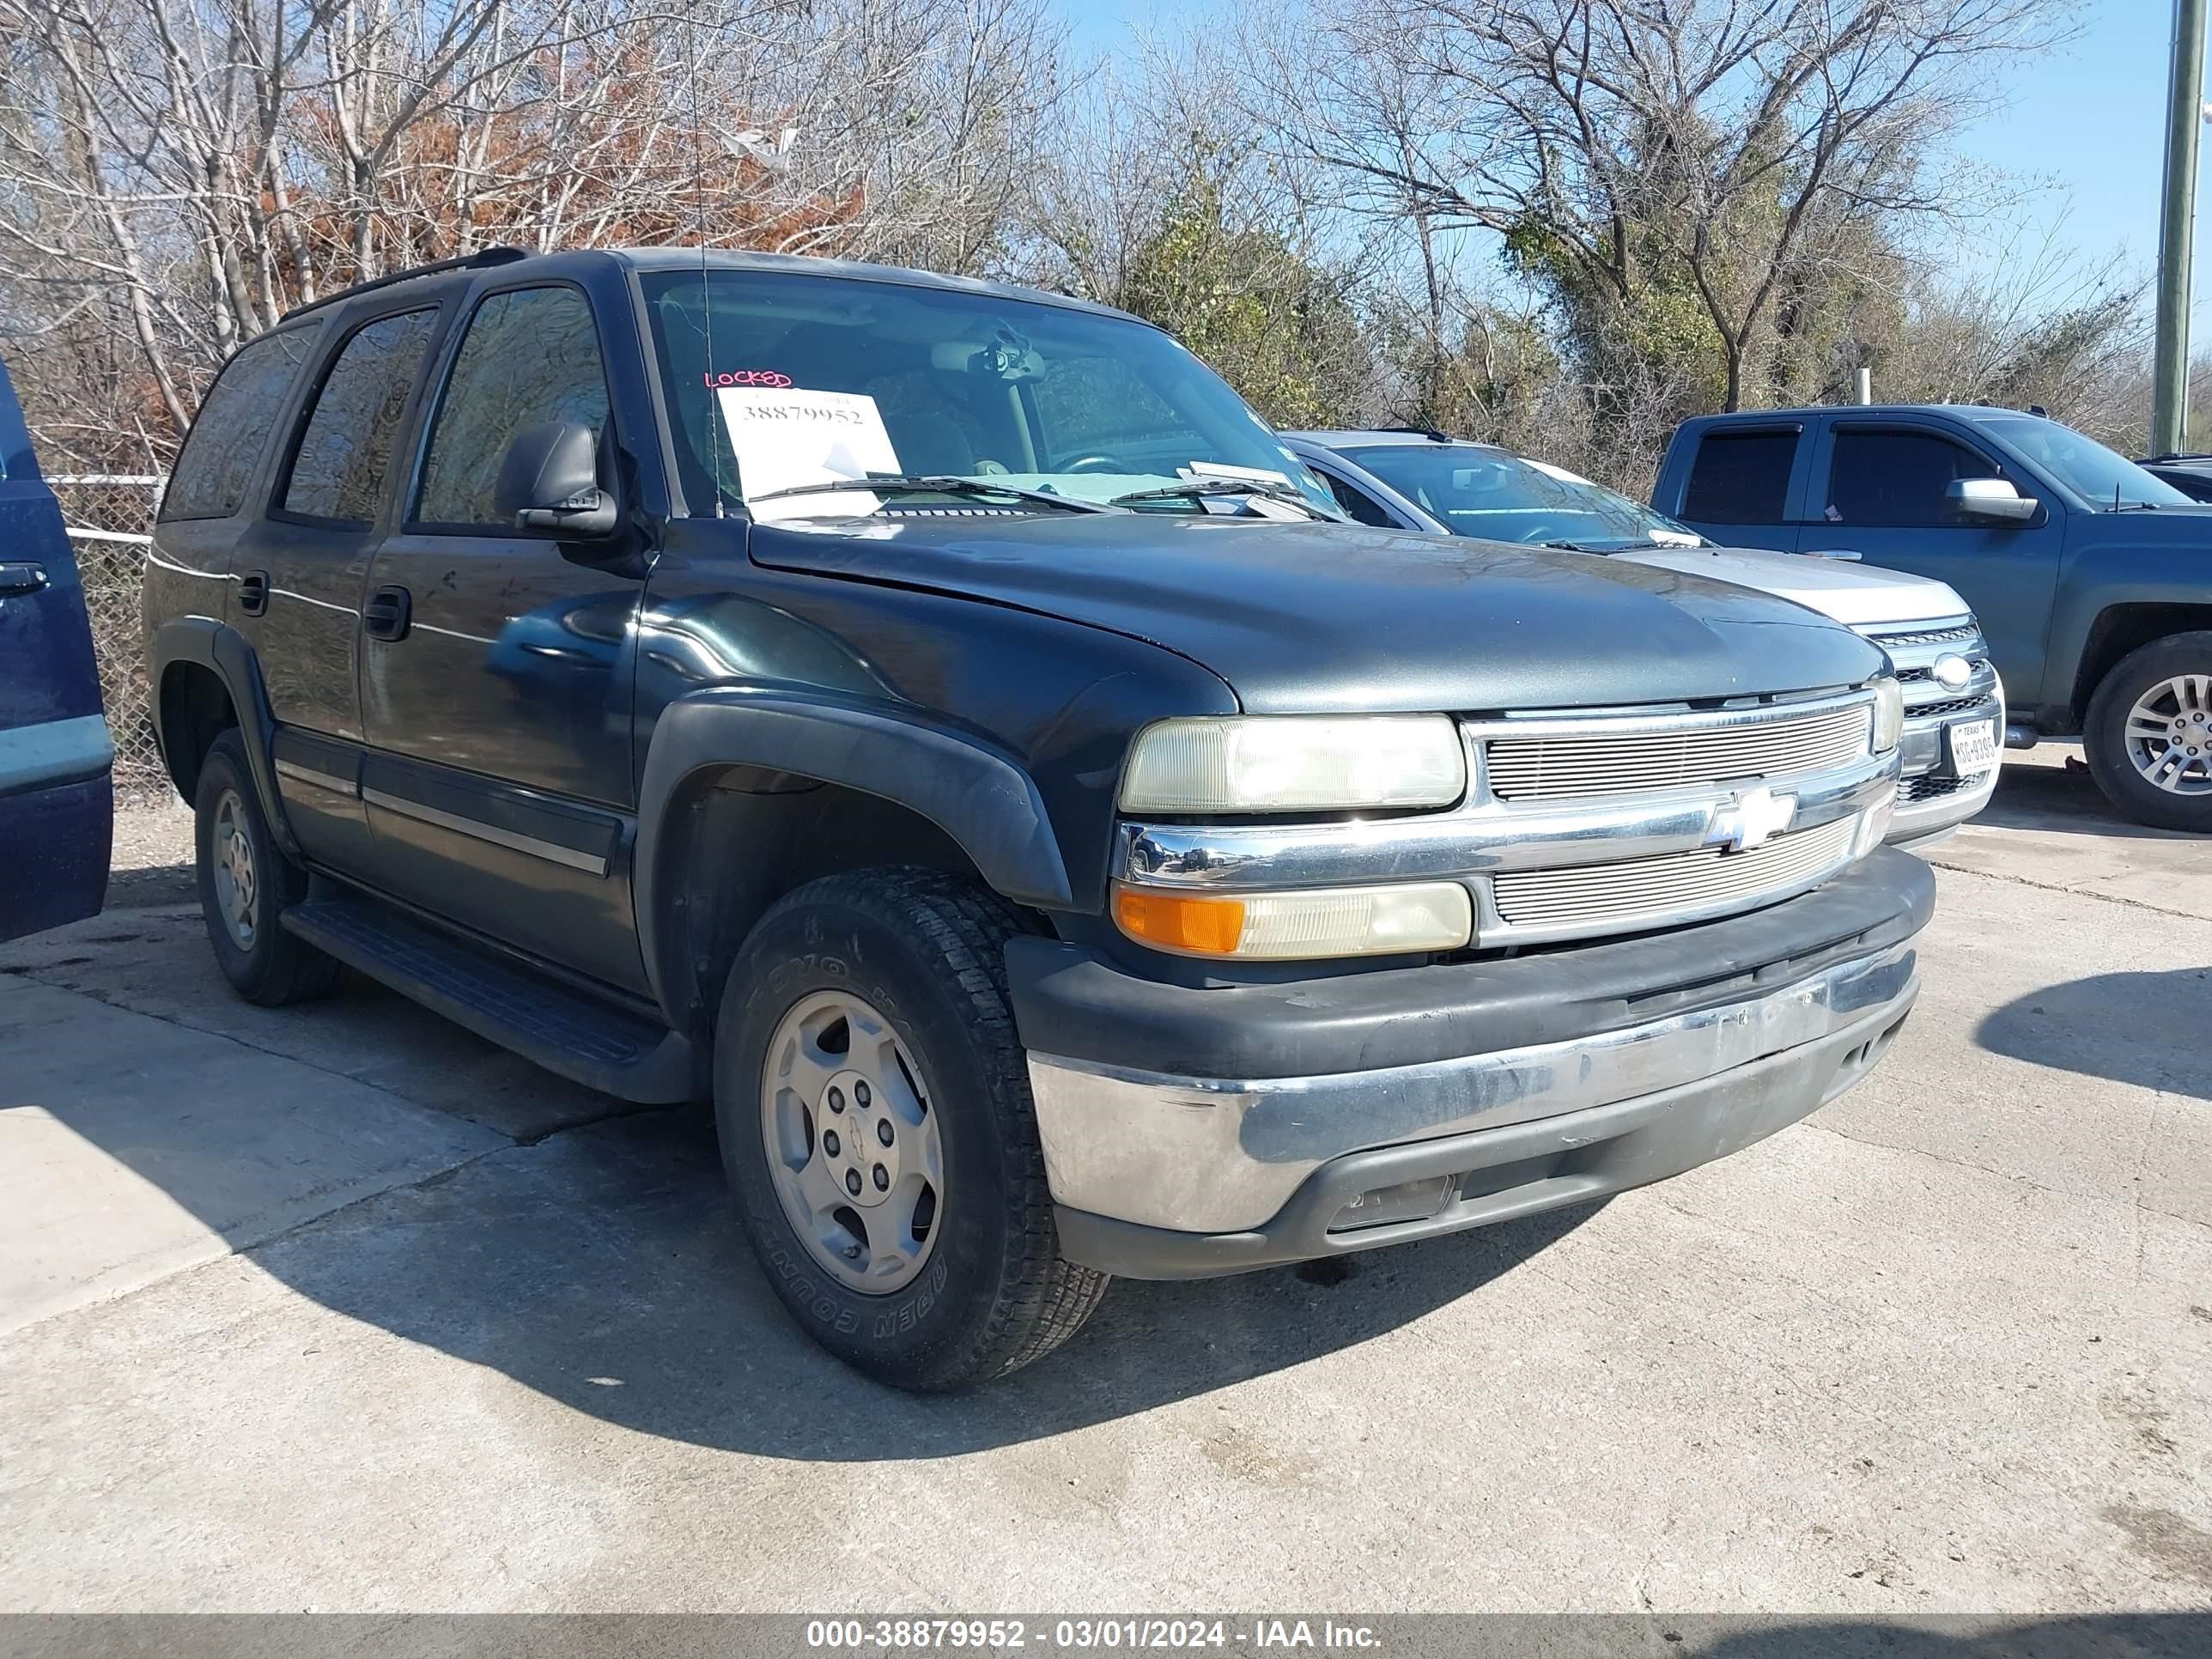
[1741,477]
[1899,479]
[530,356]
[217,462]
[339,471]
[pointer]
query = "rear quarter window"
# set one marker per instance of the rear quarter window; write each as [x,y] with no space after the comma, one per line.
[339,473]
[220,450]
[1741,477]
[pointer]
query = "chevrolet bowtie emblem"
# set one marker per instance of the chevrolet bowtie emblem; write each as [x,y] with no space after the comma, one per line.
[1750,820]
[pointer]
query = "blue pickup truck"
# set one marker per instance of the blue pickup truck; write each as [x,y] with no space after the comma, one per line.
[57,811]
[2093,579]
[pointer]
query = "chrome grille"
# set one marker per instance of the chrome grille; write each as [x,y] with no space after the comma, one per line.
[1556,763]
[1618,896]
[1948,706]
[1959,633]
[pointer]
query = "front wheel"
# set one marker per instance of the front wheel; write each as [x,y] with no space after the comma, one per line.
[2149,733]
[873,1106]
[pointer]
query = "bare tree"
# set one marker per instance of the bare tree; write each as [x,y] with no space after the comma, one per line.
[1618,140]
[180,172]
[2029,322]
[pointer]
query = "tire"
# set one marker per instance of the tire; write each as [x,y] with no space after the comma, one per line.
[263,962]
[2174,675]
[927,1289]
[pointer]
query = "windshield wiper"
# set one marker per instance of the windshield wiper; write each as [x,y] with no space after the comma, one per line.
[1191,490]
[1608,546]
[2132,507]
[915,484]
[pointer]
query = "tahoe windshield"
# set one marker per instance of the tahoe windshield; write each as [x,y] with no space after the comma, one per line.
[1501,497]
[816,378]
[2099,476]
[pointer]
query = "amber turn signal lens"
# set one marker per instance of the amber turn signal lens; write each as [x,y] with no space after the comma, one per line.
[1209,927]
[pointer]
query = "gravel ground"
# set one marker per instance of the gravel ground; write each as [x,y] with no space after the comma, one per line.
[153,858]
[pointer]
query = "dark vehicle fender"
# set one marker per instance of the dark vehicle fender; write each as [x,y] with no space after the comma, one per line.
[2115,593]
[979,797]
[222,649]
[2114,596]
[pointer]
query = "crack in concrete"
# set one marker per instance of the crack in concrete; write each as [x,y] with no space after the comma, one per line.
[2010,1175]
[2056,887]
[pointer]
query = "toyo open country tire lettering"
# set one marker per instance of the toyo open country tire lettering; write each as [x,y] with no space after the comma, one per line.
[2149,733]
[894,980]
[247,884]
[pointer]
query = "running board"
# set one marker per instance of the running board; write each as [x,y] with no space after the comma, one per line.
[561,1029]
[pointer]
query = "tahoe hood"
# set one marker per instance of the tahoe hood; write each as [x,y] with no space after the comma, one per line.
[1312,618]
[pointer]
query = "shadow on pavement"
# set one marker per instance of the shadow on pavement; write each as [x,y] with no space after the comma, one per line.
[2046,794]
[605,1268]
[2141,1028]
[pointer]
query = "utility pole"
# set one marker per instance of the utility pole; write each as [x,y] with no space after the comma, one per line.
[2184,110]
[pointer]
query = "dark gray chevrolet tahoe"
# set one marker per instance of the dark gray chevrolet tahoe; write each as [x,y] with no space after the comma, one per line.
[940,723]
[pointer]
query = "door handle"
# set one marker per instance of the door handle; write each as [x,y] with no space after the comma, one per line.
[386,615]
[22,578]
[253,592]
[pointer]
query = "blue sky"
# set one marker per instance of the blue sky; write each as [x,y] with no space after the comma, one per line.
[2085,125]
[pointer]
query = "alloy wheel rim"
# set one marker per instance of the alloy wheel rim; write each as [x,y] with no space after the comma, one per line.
[2169,735]
[237,882]
[852,1139]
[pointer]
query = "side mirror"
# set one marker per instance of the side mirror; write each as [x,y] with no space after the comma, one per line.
[1993,501]
[549,480]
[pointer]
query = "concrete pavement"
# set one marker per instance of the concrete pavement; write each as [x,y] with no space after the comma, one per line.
[339,1307]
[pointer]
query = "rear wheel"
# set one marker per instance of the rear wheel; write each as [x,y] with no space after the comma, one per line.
[2149,733]
[876,1124]
[246,885]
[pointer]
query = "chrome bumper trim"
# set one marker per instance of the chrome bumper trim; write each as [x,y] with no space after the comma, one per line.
[1217,1154]
[1470,841]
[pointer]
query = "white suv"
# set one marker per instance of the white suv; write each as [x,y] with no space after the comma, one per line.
[1954,705]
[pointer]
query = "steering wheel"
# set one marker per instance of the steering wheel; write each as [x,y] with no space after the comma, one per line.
[1098,463]
[1538,535]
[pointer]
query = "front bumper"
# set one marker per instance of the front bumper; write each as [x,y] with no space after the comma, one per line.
[1931,797]
[1480,1091]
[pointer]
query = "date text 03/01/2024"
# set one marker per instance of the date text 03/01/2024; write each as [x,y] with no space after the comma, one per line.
[1000,1634]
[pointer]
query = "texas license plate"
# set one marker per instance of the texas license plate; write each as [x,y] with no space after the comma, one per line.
[1973,746]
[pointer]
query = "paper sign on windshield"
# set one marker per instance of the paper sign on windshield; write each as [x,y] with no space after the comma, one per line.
[786,439]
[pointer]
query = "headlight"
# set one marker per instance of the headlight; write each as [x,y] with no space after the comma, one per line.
[1308,924]
[1295,764]
[1888,715]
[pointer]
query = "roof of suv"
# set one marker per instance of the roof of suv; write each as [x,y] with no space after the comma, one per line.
[515,262]
[1379,436]
[1860,412]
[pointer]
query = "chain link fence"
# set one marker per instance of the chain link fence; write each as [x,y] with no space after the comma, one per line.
[111,523]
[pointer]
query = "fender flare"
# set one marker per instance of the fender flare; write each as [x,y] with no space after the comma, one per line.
[224,650]
[979,796]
